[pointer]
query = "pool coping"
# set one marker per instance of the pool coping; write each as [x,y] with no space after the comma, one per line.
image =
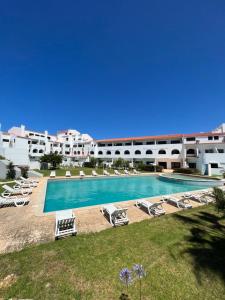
[42,188]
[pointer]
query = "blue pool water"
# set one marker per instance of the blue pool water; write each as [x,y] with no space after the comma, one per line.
[74,193]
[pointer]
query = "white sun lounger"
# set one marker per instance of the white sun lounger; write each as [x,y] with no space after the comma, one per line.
[65,223]
[116,172]
[82,174]
[179,203]
[52,174]
[136,172]
[21,185]
[94,173]
[106,173]
[126,172]
[31,180]
[26,181]
[68,174]
[115,215]
[199,198]
[9,192]
[16,201]
[154,209]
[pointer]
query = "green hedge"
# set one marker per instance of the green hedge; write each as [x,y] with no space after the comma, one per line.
[186,171]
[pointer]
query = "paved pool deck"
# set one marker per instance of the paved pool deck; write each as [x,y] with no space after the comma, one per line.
[22,226]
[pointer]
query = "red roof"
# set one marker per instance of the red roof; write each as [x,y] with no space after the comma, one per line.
[161,137]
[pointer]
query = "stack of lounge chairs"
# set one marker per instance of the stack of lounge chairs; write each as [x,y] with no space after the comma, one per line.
[18,195]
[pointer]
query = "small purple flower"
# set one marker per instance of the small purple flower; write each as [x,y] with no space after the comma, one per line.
[126,276]
[139,271]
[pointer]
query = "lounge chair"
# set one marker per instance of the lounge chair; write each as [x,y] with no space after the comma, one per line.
[116,172]
[94,173]
[68,174]
[115,215]
[31,180]
[52,174]
[106,173]
[154,209]
[198,197]
[10,192]
[16,201]
[82,174]
[65,223]
[135,171]
[179,203]
[126,172]
[21,185]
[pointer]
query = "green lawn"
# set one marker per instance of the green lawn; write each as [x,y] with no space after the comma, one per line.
[10,184]
[75,171]
[183,254]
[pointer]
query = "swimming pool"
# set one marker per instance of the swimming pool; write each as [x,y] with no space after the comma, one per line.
[74,193]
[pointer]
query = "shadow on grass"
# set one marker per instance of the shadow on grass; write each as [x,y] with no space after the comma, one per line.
[206,243]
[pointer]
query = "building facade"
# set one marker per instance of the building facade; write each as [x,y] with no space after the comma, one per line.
[204,151]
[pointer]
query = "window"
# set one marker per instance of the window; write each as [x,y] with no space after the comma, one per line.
[56,152]
[75,152]
[190,139]
[109,145]
[101,145]
[216,137]
[5,140]
[175,165]
[78,152]
[138,143]
[41,151]
[175,141]
[137,152]
[118,144]
[161,142]
[117,152]
[108,152]
[191,152]
[162,151]
[100,152]
[175,151]
[127,144]
[150,143]
[209,151]
[210,138]
[220,150]
[149,151]
[126,152]
[67,152]
[92,152]
[35,151]
[214,166]
[67,146]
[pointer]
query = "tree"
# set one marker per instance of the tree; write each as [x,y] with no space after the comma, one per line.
[220,199]
[24,172]
[52,158]
[11,173]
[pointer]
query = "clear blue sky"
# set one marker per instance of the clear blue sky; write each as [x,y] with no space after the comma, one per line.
[113,68]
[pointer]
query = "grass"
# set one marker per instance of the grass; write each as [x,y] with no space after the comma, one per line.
[183,255]
[2,183]
[75,171]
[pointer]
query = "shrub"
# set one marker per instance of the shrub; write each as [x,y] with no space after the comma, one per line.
[186,171]
[24,172]
[11,173]
[90,164]
[120,163]
[149,168]
[223,175]
[52,158]
[2,157]
[220,199]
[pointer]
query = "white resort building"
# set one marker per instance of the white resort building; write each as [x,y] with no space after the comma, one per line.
[204,151]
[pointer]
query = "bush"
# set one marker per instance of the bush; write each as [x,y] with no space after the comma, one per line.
[220,199]
[120,163]
[24,172]
[11,173]
[2,157]
[186,171]
[149,168]
[223,175]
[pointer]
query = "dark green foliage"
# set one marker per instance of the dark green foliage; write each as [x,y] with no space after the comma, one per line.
[220,199]
[11,173]
[52,158]
[91,164]
[24,171]
[148,168]
[186,171]
[2,157]
[120,163]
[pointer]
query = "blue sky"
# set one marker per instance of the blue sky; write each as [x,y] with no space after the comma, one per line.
[113,68]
